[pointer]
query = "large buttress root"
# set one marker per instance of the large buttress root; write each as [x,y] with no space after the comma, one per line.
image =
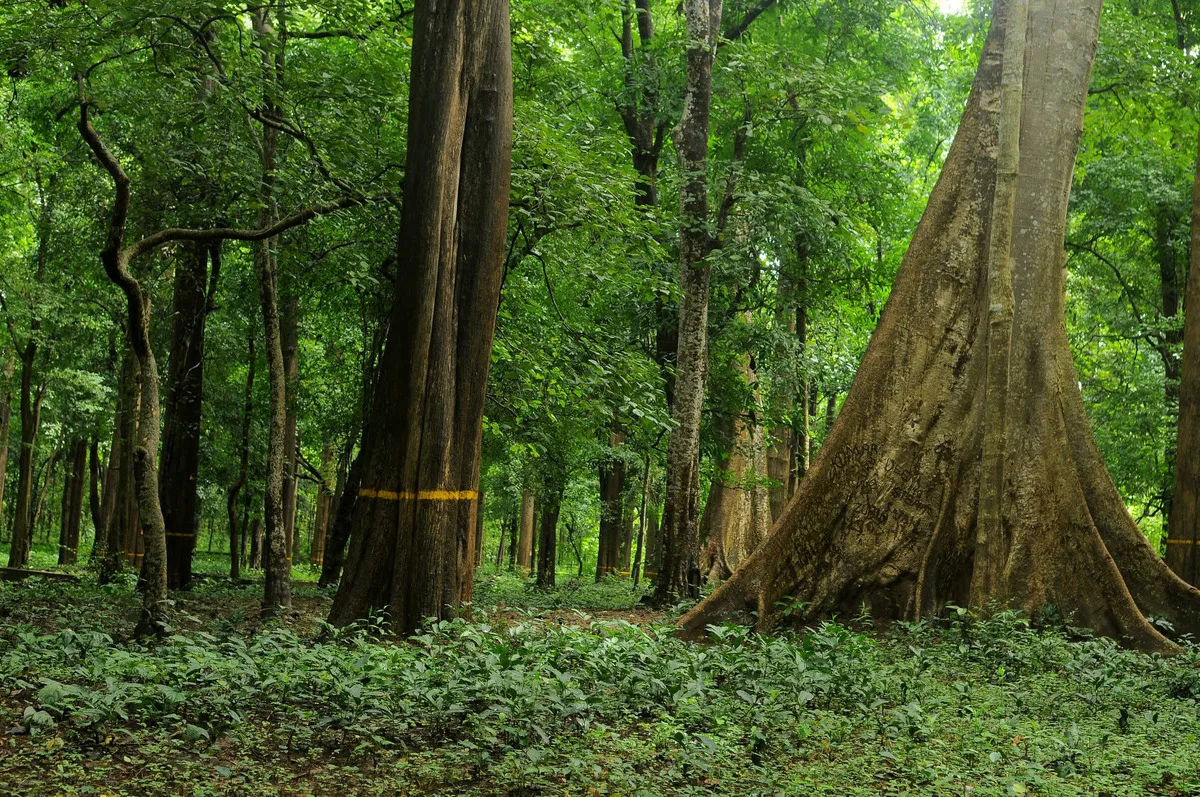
[888,516]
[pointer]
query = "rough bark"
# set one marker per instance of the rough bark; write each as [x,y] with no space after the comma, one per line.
[343,521]
[1183,531]
[31,413]
[679,574]
[479,534]
[411,548]
[95,468]
[899,509]
[231,502]
[74,482]
[191,302]
[118,506]
[325,500]
[289,331]
[525,540]
[5,420]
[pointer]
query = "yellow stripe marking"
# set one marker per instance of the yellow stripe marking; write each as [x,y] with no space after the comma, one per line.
[178,534]
[1181,542]
[423,495]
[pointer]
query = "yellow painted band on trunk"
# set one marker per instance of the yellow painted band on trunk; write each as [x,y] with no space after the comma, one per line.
[178,534]
[1182,542]
[423,495]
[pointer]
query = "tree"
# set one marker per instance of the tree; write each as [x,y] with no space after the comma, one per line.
[411,546]
[962,467]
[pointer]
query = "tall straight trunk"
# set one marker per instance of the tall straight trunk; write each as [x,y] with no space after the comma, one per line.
[1183,531]
[547,552]
[325,501]
[118,506]
[412,549]
[5,419]
[962,468]
[783,396]
[49,467]
[524,546]
[236,535]
[679,575]
[31,411]
[612,484]
[479,519]
[74,482]
[95,468]
[514,533]
[289,330]
[256,544]
[182,409]
[1172,294]
[277,588]
[343,522]
[638,558]
[501,543]
[653,552]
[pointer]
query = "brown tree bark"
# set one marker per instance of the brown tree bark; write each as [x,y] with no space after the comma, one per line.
[5,420]
[479,520]
[118,507]
[74,481]
[31,413]
[962,467]
[192,301]
[343,521]
[95,468]
[679,573]
[524,546]
[1183,530]
[236,535]
[325,501]
[411,548]
[289,330]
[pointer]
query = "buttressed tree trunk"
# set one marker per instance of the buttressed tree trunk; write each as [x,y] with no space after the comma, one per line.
[1184,528]
[191,304]
[679,573]
[962,467]
[412,545]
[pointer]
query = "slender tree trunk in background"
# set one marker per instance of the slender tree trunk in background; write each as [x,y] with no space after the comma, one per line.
[641,535]
[95,468]
[277,589]
[412,549]
[343,522]
[1183,532]
[612,483]
[31,411]
[256,544]
[514,533]
[231,502]
[679,575]
[830,411]
[502,542]
[118,506]
[191,304]
[783,396]
[653,542]
[74,481]
[802,449]
[5,419]
[1172,295]
[547,553]
[962,467]
[525,541]
[289,330]
[325,502]
[479,518]
[49,468]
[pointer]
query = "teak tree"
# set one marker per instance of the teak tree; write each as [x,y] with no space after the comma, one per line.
[963,467]
[412,545]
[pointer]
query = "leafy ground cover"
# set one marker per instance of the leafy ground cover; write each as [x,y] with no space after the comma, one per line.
[543,693]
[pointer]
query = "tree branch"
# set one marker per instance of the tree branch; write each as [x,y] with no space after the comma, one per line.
[738,30]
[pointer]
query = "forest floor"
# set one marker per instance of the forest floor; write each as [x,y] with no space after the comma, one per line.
[573,692]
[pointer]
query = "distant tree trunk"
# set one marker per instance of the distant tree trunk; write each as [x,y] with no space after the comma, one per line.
[49,468]
[547,553]
[31,412]
[118,507]
[612,484]
[411,545]
[679,575]
[525,541]
[779,455]
[289,328]
[256,544]
[1172,294]
[325,502]
[962,467]
[72,502]
[191,304]
[95,467]
[653,542]
[343,521]
[504,534]
[638,559]
[514,532]
[479,518]
[802,450]
[5,419]
[1183,532]
[231,502]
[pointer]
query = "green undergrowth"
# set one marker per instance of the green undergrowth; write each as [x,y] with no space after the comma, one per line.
[507,589]
[514,705]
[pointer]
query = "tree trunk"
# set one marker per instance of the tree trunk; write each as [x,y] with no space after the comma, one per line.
[277,588]
[343,521]
[962,467]
[31,411]
[256,544]
[243,460]
[95,467]
[182,409]
[547,553]
[411,548]
[72,502]
[5,419]
[289,329]
[1172,337]
[325,501]
[1184,528]
[525,541]
[118,506]
[612,484]
[653,542]
[504,534]
[679,575]
[479,518]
